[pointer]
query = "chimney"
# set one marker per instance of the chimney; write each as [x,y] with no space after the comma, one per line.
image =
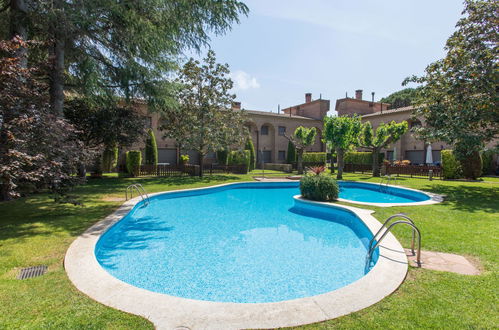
[358,94]
[236,105]
[308,97]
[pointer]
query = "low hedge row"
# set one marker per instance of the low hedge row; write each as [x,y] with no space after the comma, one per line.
[314,157]
[361,157]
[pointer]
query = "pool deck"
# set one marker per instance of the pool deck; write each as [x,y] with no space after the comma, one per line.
[169,312]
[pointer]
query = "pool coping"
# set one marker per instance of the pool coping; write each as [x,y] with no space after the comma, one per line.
[169,312]
[434,198]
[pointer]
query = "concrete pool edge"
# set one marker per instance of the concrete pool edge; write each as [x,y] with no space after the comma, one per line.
[168,312]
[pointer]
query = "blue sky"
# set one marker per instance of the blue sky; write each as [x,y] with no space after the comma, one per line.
[285,48]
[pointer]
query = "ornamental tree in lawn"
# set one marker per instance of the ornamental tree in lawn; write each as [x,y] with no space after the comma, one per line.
[342,133]
[291,155]
[458,94]
[303,137]
[385,135]
[206,121]
[151,152]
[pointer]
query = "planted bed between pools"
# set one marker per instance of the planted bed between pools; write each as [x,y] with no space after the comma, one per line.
[242,243]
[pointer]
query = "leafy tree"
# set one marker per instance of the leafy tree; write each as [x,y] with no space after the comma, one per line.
[151,152]
[386,134]
[402,98]
[291,155]
[116,47]
[222,156]
[342,133]
[102,126]
[37,149]
[303,137]
[458,94]
[204,103]
[251,148]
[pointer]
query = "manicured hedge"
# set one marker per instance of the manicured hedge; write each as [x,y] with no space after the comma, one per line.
[450,165]
[291,155]
[222,156]
[133,162]
[239,157]
[151,153]
[322,187]
[357,157]
[110,159]
[487,166]
[314,157]
[251,148]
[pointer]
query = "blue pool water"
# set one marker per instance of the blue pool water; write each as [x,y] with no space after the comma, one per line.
[244,243]
[373,193]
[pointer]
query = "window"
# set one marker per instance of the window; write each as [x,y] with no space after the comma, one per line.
[265,130]
[282,130]
[281,155]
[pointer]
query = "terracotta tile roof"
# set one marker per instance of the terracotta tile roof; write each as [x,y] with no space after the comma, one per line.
[280,115]
[386,112]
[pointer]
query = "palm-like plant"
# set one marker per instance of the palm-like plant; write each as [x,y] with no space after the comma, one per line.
[302,138]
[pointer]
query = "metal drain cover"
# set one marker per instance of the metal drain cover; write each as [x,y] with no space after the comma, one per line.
[31,272]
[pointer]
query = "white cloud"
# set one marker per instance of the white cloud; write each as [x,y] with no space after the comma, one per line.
[243,80]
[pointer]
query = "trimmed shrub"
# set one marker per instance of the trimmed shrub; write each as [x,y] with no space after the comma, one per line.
[322,187]
[471,166]
[487,158]
[222,156]
[239,157]
[291,155]
[360,157]
[110,158]
[251,148]
[133,161]
[450,166]
[151,153]
[314,157]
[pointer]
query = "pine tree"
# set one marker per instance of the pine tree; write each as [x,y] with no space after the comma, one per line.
[151,154]
[249,146]
[291,155]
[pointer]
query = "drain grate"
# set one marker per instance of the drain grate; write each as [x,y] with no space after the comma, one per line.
[31,272]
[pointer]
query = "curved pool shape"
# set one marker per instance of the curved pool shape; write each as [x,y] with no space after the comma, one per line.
[242,243]
[374,193]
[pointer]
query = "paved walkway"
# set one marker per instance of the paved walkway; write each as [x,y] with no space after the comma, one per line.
[445,262]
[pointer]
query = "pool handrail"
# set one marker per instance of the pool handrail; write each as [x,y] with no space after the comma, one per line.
[398,215]
[140,190]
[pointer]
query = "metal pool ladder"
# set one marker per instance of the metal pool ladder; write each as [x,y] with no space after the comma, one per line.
[140,190]
[387,180]
[407,221]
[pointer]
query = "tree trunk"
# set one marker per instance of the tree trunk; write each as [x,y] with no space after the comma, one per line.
[299,161]
[376,162]
[82,170]
[56,55]
[18,27]
[340,153]
[201,162]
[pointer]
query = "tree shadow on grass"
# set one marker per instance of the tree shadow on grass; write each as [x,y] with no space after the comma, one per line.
[468,198]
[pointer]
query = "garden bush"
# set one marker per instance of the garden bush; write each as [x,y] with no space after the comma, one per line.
[471,166]
[251,148]
[133,162]
[151,153]
[450,166]
[487,166]
[110,158]
[314,157]
[239,157]
[291,155]
[322,187]
[357,157]
[222,156]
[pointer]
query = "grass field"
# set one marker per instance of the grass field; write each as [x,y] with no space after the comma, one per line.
[36,231]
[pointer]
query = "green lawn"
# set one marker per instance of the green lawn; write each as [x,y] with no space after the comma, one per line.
[37,231]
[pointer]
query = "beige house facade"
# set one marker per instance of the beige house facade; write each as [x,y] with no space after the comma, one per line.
[267,130]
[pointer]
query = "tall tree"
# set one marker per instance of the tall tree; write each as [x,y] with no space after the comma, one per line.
[122,48]
[151,152]
[302,138]
[208,123]
[251,148]
[342,133]
[458,94]
[291,154]
[385,135]
[402,98]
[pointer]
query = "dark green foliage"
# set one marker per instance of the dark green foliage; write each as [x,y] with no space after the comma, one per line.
[151,152]
[402,98]
[472,165]
[314,157]
[109,159]
[222,156]
[366,158]
[322,187]
[251,148]
[239,157]
[291,154]
[487,166]
[133,162]
[450,165]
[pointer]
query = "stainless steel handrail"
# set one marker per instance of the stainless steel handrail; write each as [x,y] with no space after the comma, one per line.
[398,215]
[373,248]
[140,190]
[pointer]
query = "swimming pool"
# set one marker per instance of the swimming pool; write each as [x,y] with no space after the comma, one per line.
[244,243]
[364,192]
